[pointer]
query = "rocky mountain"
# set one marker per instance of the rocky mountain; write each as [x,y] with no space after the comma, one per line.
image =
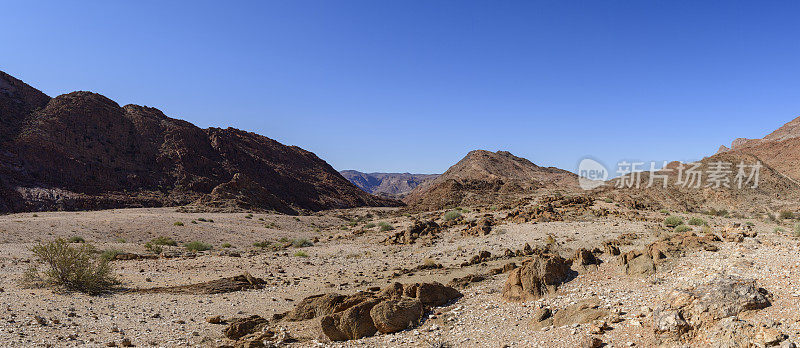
[387,184]
[83,151]
[484,177]
[779,149]
[689,192]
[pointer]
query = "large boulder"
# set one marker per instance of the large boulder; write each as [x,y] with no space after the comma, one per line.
[585,311]
[239,328]
[351,324]
[431,294]
[539,275]
[392,316]
[315,306]
[698,310]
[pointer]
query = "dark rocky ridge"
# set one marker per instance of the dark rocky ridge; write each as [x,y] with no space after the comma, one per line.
[83,151]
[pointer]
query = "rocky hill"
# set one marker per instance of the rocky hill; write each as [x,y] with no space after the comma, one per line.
[775,191]
[779,149]
[484,177]
[387,184]
[83,151]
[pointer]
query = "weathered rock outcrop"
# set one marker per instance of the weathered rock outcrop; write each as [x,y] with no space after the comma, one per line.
[538,276]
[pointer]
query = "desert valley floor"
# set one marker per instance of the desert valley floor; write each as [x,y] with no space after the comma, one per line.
[351,252]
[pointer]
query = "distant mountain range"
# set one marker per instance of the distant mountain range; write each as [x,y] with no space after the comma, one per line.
[83,151]
[387,184]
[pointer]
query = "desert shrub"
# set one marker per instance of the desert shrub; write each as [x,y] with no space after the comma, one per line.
[706,229]
[749,223]
[202,219]
[110,254]
[226,245]
[673,221]
[786,214]
[177,223]
[715,212]
[608,200]
[696,221]
[451,215]
[370,225]
[301,243]
[296,218]
[385,226]
[429,262]
[264,244]
[778,230]
[682,228]
[153,248]
[73,268]
[301,254]
[121,240]
[77,239]
[550,240]
[797,230]
[197,246]
[163,241]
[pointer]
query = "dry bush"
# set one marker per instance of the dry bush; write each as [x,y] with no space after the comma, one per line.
[72,268]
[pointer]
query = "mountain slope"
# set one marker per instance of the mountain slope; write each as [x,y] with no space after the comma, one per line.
[389,184]
[83,151]
[779,149]
[484,177]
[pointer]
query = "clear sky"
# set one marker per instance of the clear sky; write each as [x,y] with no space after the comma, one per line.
[414,85]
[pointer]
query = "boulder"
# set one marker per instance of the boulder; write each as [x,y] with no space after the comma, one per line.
[392,316]
[241,327]
[431,294]
[585,311]
[350,324]
[315,306]
[536,277]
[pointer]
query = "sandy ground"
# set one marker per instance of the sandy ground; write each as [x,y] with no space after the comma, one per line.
[344,262]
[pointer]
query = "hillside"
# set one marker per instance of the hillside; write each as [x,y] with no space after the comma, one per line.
[388,184]
[779,149]
[484,177]
[83,151]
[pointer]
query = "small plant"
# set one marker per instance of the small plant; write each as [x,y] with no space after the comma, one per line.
[177,223]
[673,221]
[296,218]
[550,240]
[451,215]
[153,248]
[696,221]
[370,225]
[110,254]
[749,223]
[429,262]
[248,216]
[193,222]
[706,229]
[264,244]
[163,241]
[77,239]
[73,268]
[301,243]
[715,212]
[778,230]
[197,246]
[301,254]
[121,240]
[663,211]
[797,230]
[385,226]
[34,215]
[226,245]
[202,219]
[786,214]
[608,200]
[210,220]
[682,228]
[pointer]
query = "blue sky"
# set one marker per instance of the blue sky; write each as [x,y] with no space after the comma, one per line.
[414,85]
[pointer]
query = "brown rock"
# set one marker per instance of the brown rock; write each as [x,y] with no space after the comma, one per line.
[431,294]
[396,315]
[239,328]
[351,324]
[536,277]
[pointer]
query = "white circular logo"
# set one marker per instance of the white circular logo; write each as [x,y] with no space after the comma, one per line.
[591,174]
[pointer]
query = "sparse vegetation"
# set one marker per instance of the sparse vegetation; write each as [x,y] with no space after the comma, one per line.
[370,225]
[248,216]
[696,221]
[715,212]
[163,241]
[608,200]
[682,228]
[550,240]
[451,215]
[749,223]
[786,215]
[121,240]
[264,244]
[385,226]
[226,245]
[301,243]
[797,230]
[110,254]
[73,268]
[778,230]
[197,246]
[301,254]
[77,239]
[153,248]
[177,223]
[673,221]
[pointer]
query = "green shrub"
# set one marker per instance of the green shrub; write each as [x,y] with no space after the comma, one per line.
[749,223]
[673,221]
[121,240]
[778,230]
[177,223]
[715,212]
[248,216]
[608,200]
[786,214]
[301,254]
[682,228]
[385,226]
[264,244]
[163,241]
[696,221]
[370,225]
[202,220]
[663,211]
[73,268]
[226,245]
[197,246]
[451,215]
[153,248]
[77,239]
[301,243]
[110,254]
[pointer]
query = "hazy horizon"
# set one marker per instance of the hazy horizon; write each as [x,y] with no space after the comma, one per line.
[413,86]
